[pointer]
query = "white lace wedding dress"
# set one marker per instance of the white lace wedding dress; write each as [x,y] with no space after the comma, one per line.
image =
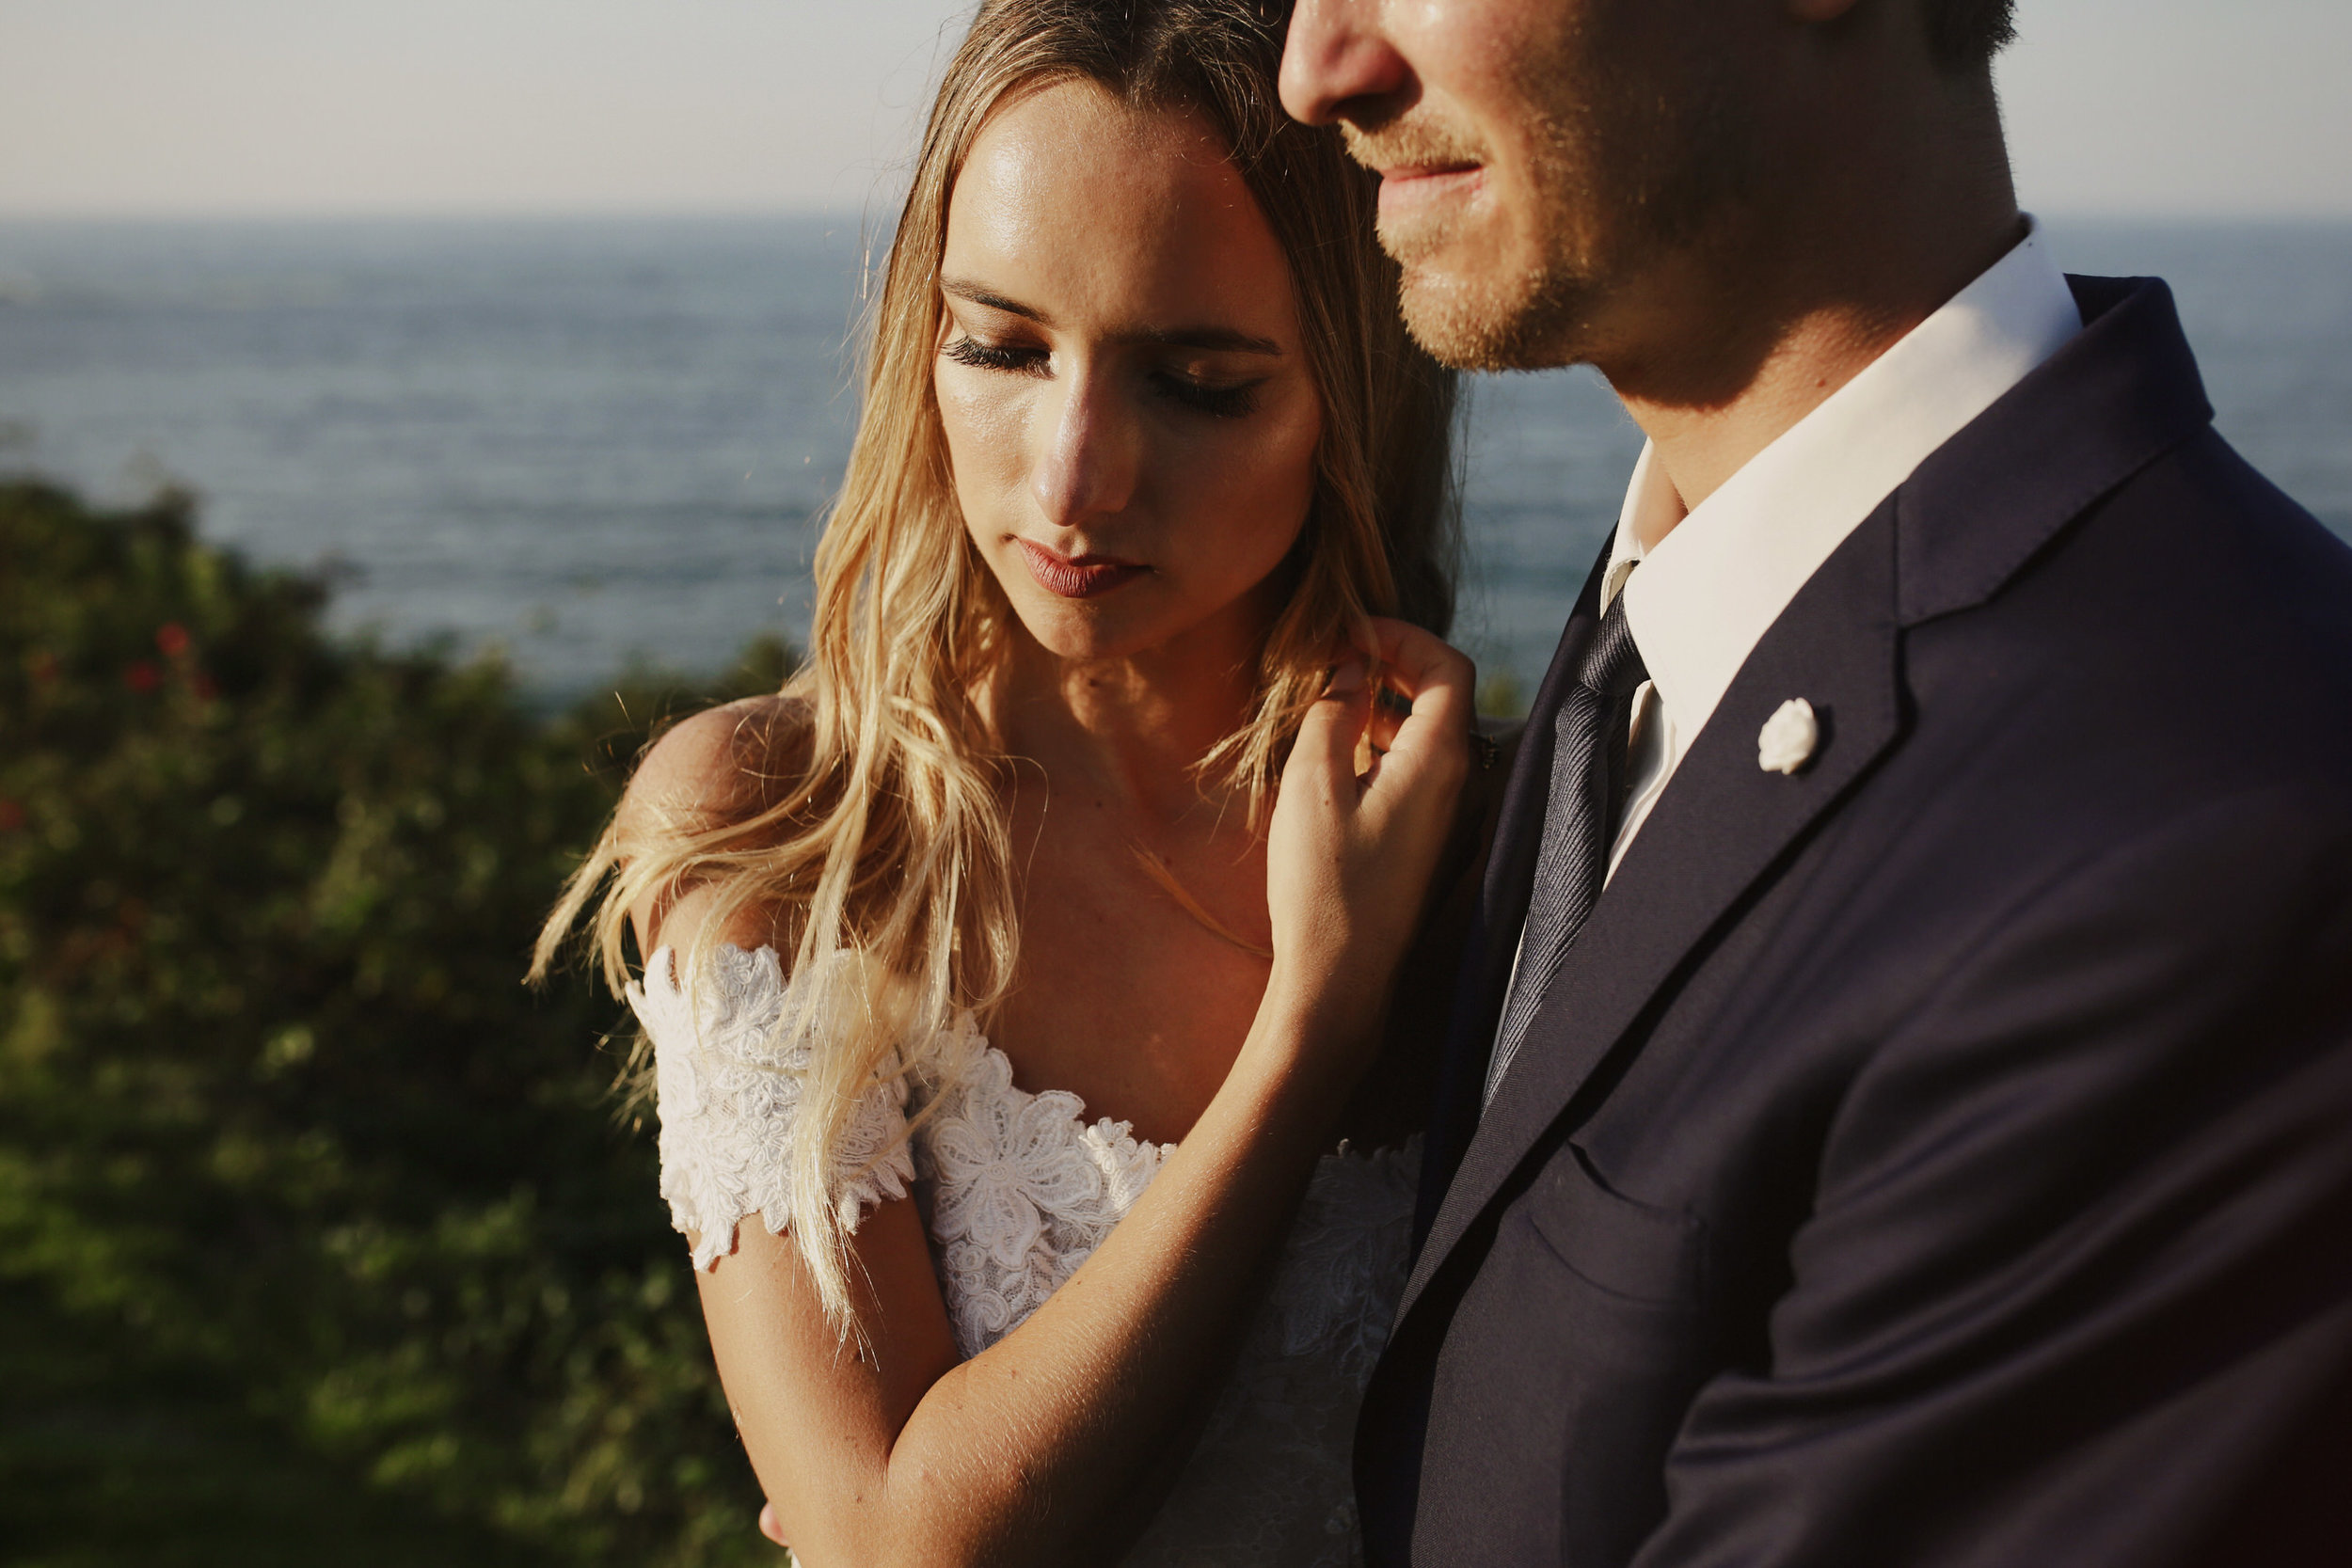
[1023,1187]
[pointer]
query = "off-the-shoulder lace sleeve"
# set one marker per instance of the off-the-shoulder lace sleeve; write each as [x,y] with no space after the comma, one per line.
[729,1095]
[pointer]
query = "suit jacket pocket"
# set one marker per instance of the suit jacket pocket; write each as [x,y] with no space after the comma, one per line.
[1628,1248]
[1563,1376]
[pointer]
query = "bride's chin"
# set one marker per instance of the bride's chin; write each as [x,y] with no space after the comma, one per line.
[1087,630]
[1080,638]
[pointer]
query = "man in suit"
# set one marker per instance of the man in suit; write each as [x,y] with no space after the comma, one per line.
[1899,1105]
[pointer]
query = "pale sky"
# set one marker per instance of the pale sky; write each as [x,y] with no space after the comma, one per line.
[516,106]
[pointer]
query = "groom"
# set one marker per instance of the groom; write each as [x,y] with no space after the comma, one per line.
[1899,1108]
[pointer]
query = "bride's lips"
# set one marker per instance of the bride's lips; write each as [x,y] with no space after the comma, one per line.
[1078,576]
[1411,188]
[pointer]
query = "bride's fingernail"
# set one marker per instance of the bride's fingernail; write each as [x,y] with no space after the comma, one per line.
[1348,678]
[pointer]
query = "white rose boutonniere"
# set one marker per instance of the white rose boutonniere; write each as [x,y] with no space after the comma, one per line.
[1789,738]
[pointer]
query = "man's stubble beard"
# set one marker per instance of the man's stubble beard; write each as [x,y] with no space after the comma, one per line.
[1619,181]
[1527,316]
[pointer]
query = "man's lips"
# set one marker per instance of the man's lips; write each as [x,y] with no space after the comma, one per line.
[1078,576]
[1410,187]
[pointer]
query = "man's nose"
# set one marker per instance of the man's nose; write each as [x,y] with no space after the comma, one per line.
[1335,56]
[1093,452]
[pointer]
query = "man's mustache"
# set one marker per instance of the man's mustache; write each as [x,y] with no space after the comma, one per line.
[1412,142]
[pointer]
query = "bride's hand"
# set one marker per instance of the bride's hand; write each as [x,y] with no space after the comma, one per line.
[1349,855]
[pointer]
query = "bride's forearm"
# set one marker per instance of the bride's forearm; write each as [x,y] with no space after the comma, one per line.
[1020,1455]
[1016,1455]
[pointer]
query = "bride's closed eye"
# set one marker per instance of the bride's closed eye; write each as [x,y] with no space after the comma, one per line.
[968,350]
[1224,400]
[1232,402]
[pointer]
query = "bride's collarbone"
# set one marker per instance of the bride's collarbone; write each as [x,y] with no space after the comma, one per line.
[1125,998]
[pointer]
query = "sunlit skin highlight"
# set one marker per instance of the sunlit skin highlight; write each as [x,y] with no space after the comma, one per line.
[1133,430]
[1133,433]
[1729,207]
[1139,401]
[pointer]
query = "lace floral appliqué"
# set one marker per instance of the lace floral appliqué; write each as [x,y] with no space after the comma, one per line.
[1023,1189]
[728,1095]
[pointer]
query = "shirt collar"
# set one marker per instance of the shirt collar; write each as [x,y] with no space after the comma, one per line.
[1709,590]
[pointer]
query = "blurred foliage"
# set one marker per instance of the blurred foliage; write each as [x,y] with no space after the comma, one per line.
[1501,696]
[294,1173]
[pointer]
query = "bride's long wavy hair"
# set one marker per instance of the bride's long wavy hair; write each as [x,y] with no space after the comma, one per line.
[878,842]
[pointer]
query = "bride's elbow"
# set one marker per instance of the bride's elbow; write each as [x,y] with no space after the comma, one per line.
[964,1534]
[862,1532]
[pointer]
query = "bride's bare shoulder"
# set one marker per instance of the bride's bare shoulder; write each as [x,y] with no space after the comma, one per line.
[723,766]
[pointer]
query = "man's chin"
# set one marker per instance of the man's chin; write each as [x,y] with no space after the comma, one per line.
[1484,320]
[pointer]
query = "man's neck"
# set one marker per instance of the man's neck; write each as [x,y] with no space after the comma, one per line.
[1728,346]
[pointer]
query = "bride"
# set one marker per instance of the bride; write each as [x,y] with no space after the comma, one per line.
[1016,974]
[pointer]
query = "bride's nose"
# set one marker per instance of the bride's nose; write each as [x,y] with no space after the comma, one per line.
[1092,451]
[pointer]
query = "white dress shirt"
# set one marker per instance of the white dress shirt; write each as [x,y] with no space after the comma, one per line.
[1708,590]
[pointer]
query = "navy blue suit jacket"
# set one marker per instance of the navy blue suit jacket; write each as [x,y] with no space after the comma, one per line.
[1943,1155]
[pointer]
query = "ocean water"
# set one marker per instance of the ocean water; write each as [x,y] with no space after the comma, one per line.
[589,443]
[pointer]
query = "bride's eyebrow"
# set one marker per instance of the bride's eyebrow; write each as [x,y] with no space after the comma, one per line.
[1211,340]
[979,295]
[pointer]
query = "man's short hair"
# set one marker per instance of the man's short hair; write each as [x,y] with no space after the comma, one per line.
[1964,35]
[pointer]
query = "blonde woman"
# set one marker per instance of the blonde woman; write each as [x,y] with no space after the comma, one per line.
[1014,974]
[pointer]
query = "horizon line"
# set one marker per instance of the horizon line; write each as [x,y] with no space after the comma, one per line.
[883,212]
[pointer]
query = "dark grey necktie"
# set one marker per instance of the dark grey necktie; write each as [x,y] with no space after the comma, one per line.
[1581,817]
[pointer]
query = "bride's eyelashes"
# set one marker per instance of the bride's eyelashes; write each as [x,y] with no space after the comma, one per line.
[1224,402]
[1233,400]
[968,350]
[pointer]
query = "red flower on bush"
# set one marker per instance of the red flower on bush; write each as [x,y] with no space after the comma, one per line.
[172,638]
[44,668]
[12,816]
[141,677]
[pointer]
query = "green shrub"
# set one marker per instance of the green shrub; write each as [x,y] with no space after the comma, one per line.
[274,1101]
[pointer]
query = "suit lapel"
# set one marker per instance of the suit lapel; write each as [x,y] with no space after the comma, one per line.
[1519,830]
[1721,825]
[2125,391]
[1504,895]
